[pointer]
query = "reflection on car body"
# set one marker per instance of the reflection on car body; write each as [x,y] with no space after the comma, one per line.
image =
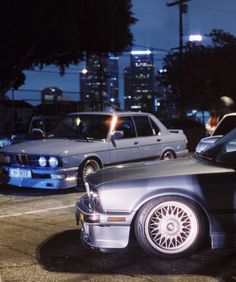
[226,124]
[85,142]
[172,206]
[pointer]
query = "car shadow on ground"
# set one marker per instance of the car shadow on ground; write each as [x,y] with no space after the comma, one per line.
[22,191]
[64,253]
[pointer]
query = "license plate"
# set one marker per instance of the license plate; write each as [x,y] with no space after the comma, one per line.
[20,173]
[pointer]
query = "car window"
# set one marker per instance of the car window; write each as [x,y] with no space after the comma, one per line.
[143,126]
[156,129]
[83,126]
[50,124]
[37,123]
[227,155]
[226,125]
[231,146]
[126,125]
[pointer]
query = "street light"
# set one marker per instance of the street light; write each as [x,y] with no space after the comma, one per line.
[195,38]
[84,71]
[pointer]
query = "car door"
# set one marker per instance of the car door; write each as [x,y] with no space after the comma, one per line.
[125,149]
[149,139]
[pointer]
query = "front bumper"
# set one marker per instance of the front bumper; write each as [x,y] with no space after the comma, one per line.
[46,179]
[103,231]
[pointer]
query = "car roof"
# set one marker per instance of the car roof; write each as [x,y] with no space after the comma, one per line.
[109,113]
[230,114]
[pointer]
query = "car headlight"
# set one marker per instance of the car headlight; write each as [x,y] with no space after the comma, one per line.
[53,161]
[5,143]
[42,161]
[4,158]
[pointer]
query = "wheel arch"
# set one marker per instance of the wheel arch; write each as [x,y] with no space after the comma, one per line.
[92,157]
[83,163]
[175,193]
[166,150]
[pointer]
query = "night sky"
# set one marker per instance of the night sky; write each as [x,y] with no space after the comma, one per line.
[157,28]
[159,25]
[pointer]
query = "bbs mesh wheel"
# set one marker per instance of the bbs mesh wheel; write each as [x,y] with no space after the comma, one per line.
[170,227]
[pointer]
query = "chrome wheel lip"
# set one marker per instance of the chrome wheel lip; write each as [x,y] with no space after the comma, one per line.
[171,227]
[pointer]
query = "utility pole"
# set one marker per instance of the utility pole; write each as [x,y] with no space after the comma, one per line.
[13,109]
[182,10]
[102,77]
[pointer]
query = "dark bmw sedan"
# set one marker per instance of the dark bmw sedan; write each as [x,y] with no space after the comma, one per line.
[172,206]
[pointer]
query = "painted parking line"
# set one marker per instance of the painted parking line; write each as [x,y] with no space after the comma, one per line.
[35,211]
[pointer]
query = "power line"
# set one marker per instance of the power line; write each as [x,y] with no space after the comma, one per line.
[214,9]
[152,48]
[152,19]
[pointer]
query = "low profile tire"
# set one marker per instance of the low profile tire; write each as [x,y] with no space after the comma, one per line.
[87,167]
[170,227]
[168,155]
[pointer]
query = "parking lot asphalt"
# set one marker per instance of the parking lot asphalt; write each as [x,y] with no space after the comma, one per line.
[39,241]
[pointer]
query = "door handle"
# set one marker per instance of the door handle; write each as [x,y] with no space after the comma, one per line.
[158,140]
[136,143]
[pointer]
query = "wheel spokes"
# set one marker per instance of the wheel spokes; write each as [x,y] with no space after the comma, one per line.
[171,227]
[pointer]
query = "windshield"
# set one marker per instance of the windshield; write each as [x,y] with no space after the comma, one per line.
[83,126]
[223,151]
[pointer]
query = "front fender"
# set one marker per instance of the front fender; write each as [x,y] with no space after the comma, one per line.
[77,160]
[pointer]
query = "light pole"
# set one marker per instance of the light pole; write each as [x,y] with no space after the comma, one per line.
[13,108]
[182,10]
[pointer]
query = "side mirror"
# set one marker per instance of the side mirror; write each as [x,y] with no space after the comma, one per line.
[117,134]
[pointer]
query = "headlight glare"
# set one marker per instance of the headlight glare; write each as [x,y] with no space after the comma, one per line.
[53,161]
[42,161]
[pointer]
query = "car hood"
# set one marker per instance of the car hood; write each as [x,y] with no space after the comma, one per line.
[59,147]
[149,170]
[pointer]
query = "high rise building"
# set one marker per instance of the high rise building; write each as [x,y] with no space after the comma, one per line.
[139,81]
[99,82]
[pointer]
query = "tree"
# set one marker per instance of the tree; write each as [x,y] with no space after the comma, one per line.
[44,32]
[205,73]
